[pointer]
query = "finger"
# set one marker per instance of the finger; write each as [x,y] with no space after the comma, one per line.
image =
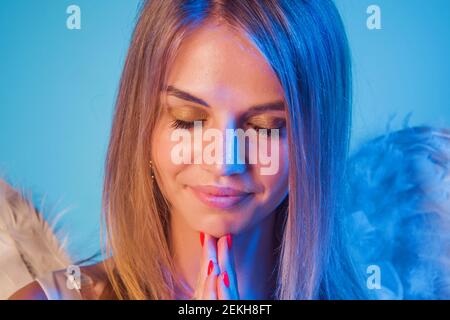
[224,291]
[210,285]
[227,285]
[209,253]
[226,257]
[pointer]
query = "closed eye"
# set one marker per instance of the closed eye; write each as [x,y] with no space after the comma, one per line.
[181,124]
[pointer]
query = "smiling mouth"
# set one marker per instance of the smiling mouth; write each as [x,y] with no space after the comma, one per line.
[220,198]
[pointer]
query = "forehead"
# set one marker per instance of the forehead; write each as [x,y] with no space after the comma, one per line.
[222,66]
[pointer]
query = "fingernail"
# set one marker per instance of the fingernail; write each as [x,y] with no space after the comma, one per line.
[226,281]
[202,238]
[229,241]
[210,267]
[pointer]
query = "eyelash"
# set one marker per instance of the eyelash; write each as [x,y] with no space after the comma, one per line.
[268,131]
[180,124]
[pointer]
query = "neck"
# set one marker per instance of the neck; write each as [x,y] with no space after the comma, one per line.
[254,256]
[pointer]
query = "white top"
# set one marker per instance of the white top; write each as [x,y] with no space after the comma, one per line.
[56,287]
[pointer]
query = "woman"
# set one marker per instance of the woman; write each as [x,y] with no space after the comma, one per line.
[225,230]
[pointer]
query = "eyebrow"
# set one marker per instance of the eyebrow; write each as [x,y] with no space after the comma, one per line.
[270,106]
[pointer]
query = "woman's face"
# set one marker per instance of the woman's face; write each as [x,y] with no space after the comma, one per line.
[219,79]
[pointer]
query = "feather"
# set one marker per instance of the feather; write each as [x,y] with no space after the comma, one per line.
[399,211]
[28,246]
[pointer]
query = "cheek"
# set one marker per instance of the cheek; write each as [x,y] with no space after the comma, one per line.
[161,157]
[276,184]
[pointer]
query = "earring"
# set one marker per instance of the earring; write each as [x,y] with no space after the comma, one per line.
[151,170]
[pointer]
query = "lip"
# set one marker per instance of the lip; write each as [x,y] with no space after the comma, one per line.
[220,197]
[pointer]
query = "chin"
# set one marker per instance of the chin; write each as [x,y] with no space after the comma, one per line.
[221,225]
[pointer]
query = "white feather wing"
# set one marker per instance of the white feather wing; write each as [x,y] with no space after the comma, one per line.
[28,246]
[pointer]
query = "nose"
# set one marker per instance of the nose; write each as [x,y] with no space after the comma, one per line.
[233,158]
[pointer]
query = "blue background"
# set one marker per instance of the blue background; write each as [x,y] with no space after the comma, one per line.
[58,86]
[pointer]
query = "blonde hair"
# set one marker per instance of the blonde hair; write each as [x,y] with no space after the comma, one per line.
[305,44]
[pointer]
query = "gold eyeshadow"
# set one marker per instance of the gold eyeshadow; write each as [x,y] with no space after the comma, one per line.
[266,121]
[187,113]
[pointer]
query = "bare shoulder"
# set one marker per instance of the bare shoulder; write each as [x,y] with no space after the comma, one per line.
[101,287]
[31,291]
[98,289]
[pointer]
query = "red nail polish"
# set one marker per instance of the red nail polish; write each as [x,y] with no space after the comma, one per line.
[202,238]
[229,241]
[226,281]
[210,267]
